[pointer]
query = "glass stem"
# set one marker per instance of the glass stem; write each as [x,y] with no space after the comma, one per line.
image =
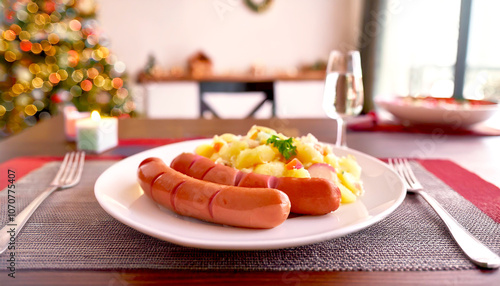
[341,132]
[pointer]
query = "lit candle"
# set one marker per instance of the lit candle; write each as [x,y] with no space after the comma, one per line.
[71,115]
[96,134]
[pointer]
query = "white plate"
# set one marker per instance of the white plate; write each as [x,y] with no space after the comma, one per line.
[119,194]
[450,115]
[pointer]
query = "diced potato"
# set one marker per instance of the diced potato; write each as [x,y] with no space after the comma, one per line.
[235,148]
[346,195]
[297,173]
[348,180]
[274,168]
[251,153]
[205,150]
[257,155]
[231,151]
[218,138]
[332,160]
[224,153]
[308,155]
[253,132]
[228,137]
[350,165]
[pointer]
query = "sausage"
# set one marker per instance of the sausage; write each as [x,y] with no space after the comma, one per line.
[311,196]
[212,202]
[149,170]
[194,165]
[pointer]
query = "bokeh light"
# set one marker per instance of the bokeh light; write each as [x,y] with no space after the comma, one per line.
[92,73]
[32,8]
[24,35]
[37,82]
[16,29]
[99,81]
[53,39]
[10,56]
[34,68]
[75,25]
[36,48]
[63,74]
[120,67]
[30,109]
[54,78]
[86,85]
[9,35]
[77,76]
[117,83]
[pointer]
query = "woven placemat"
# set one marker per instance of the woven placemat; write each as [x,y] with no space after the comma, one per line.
[71,231]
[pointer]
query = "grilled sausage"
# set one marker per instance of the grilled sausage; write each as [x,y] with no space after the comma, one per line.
[311,196]
[212,202]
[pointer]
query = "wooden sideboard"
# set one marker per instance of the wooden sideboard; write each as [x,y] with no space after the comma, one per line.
[185,96]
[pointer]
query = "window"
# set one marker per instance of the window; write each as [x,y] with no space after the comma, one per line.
[420,41]
[482,73]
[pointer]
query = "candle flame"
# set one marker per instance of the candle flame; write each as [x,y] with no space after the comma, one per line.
[95,116]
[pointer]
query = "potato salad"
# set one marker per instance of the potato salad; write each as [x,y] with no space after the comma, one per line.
[263,150]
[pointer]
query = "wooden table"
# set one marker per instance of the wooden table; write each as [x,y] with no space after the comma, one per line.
[478,154]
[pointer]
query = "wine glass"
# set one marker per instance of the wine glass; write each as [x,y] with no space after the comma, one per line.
[343,93]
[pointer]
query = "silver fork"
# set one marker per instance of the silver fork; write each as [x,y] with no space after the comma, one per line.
[477,252]
[68,176]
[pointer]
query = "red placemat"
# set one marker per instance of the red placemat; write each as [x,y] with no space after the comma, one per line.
[484,195]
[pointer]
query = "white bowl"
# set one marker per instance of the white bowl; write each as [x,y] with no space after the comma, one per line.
[438,111]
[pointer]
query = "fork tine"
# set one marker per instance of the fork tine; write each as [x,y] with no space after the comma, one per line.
[411,174]
[405,172]
[395,164]
[67,169]
[62,168]
[72,173]
[403,169]
[391,163]
[74,170]
[78,168]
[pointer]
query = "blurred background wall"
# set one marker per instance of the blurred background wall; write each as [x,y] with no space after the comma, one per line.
[290,33]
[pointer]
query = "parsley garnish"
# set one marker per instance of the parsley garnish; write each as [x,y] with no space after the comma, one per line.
[285,147]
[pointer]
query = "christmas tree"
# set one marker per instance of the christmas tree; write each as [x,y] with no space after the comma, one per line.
[53,53]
